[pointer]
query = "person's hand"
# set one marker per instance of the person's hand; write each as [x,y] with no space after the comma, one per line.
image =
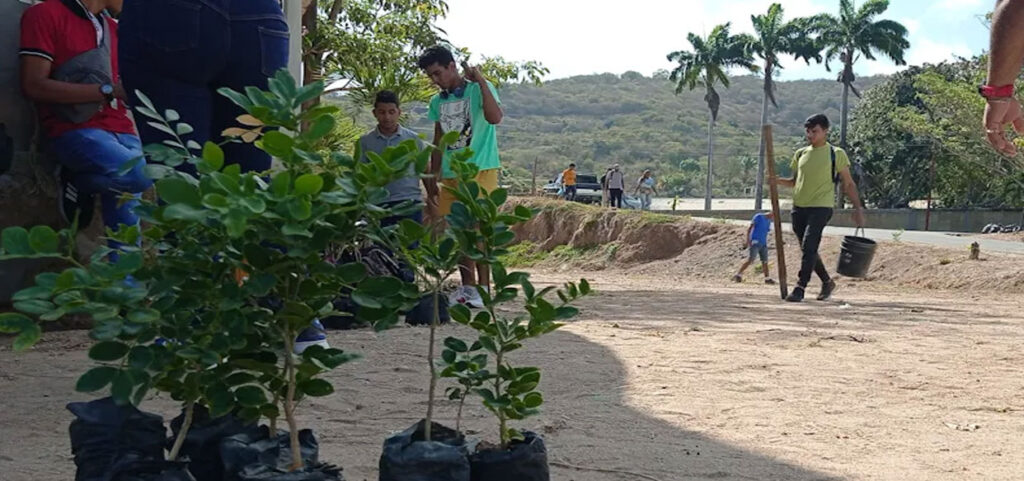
[120,92]
[858,217]
[472,73]
[999,114]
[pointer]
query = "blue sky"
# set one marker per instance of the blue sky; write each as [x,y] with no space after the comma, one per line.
[574,37]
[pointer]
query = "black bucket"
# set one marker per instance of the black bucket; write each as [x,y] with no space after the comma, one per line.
[855,255]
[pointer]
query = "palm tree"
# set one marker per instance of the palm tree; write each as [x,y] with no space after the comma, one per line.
[855,33]
[773,38]
[706,65]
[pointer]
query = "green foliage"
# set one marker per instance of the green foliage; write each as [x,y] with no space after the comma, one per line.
[368,46]
[933,112]
[234,266]
[483,233]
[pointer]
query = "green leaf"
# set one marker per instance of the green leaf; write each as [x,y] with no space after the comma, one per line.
[185,212]
[460,314]
[296,230]
[175,190]
[352,273]
[281,184]
[255,205]
[15,241]
[121,388]
[366,300]
[316,388]
[239,378]
[488,343]
[448,356]
[43,240]
[300,209]
[533,400]
[29,337]
[108,351]
[144,316]
[308,184]
[183,128]
[322,126]
[457,345]
[278,144]
[36,307]
[238,98]
[34,292]
[251,396]
[215,201]
[523,212]
[499,196]
[140,357]
[95,379]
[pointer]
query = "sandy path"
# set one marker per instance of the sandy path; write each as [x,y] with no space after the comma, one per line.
[673,380]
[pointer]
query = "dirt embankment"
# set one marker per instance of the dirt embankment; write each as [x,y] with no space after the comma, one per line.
[591,238]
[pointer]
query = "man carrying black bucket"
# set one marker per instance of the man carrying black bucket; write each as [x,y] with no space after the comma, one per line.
[816,170]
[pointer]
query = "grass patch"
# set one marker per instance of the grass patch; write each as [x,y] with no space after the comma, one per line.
[524,254]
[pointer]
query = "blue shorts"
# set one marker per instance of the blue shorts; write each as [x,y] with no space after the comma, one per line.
[759,250]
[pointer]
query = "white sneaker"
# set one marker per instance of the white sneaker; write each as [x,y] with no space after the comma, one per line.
[467,296]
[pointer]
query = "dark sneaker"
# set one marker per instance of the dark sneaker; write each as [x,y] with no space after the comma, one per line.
[797,295]
[737,278]
[827,289]
[769,281]
[72,202]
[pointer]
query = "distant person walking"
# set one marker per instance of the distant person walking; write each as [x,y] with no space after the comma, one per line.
[1006,54]
[615,183]
[569,182]
[756,244]
[645,189]
[816,169]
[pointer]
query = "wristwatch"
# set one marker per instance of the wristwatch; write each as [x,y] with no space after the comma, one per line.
[996,92]
[108,91]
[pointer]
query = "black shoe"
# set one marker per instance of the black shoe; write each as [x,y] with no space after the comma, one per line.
[827,289]
[73,202]
[796,296]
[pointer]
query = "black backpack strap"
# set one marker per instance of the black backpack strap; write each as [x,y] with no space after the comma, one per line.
[832,150]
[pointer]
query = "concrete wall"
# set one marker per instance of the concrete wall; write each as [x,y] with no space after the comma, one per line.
[944,220]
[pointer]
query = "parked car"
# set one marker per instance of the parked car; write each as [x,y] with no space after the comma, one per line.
[588,190]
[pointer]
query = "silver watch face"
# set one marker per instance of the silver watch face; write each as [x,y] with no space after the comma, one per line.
[107,89]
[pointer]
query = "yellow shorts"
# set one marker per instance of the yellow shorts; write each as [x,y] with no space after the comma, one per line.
[486,179]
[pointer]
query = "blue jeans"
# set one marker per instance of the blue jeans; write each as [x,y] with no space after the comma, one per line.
[179,52]
[645,201]
[94,157]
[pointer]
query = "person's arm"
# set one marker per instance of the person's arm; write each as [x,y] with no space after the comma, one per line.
[794,166]
[850,188]
[1006,45]
[746,240]
[37,85]
[1006,54]
[492,109]
[434,168]
[636,190]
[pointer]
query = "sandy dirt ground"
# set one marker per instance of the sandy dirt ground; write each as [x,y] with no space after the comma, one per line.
[667,379]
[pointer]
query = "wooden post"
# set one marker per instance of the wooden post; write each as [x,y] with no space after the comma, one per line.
[931,188]
[533,188]
[773,188]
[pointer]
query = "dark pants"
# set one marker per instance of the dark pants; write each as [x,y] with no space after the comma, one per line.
[808,224]
[570,192]
[407,274]
[178,53]
[616,197]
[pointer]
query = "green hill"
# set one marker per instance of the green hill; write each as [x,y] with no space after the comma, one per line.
[639,122]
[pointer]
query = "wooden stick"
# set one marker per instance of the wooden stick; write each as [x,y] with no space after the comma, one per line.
[773,188]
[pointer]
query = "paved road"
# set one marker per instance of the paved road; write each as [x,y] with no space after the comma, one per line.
[954,240]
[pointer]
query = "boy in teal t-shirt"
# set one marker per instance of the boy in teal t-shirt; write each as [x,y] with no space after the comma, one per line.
[467,104]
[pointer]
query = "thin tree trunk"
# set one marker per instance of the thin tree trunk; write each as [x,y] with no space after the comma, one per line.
[842,136]
[711,153]
[759,182]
